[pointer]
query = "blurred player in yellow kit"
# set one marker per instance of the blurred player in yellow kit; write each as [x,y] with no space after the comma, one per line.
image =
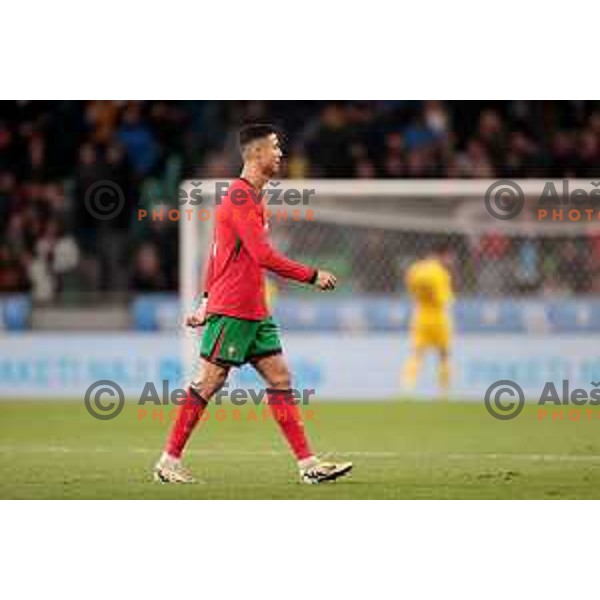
[430,285]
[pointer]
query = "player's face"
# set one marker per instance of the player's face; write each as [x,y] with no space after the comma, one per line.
[270,155]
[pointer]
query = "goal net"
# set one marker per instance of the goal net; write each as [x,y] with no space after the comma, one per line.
[508,239]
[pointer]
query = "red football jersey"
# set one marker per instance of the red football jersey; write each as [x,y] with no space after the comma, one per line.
[240,251]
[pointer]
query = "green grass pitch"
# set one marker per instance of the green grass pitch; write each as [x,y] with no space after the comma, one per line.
[52,449]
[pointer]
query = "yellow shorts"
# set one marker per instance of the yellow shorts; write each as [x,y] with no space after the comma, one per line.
[431,335]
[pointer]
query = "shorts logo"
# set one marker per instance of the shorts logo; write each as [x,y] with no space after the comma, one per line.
[231,350]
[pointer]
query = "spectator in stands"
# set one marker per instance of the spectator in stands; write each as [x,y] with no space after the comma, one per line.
[8,150]
[138,140]
[7,195]
[161,233]
[587,155]
[102,117]
[561,161]
[491,136]
[88,173]
[394,165]
[147,276]
[521,158]
[436,118]
[330,150]
[13,273]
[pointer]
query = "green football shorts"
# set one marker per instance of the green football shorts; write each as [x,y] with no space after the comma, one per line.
[232,342]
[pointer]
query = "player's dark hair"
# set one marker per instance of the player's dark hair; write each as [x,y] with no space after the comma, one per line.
[441,247]
[249,133]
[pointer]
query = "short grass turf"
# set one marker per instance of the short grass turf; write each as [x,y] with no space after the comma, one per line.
[404,449]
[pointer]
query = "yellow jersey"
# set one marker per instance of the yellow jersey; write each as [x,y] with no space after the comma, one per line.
[430,284]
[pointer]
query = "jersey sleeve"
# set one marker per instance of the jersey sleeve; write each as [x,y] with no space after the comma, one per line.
[249,228]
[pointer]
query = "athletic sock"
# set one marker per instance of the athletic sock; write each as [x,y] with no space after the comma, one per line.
[411,371]
[167,460]
[289,420]
[187,417]
[307,463]
[444,375]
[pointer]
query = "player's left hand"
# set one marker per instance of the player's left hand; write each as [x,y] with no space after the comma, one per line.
[196,318]
[326,280]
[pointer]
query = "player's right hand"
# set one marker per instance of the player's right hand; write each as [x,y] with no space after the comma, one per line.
[326,280]
[196,318]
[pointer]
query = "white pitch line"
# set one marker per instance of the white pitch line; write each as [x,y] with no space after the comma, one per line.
[539,457]
[531,457]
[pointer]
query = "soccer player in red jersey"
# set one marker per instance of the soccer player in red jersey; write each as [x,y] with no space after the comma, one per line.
[237,325]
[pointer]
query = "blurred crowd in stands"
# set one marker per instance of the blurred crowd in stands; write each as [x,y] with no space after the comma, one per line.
[51,153]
